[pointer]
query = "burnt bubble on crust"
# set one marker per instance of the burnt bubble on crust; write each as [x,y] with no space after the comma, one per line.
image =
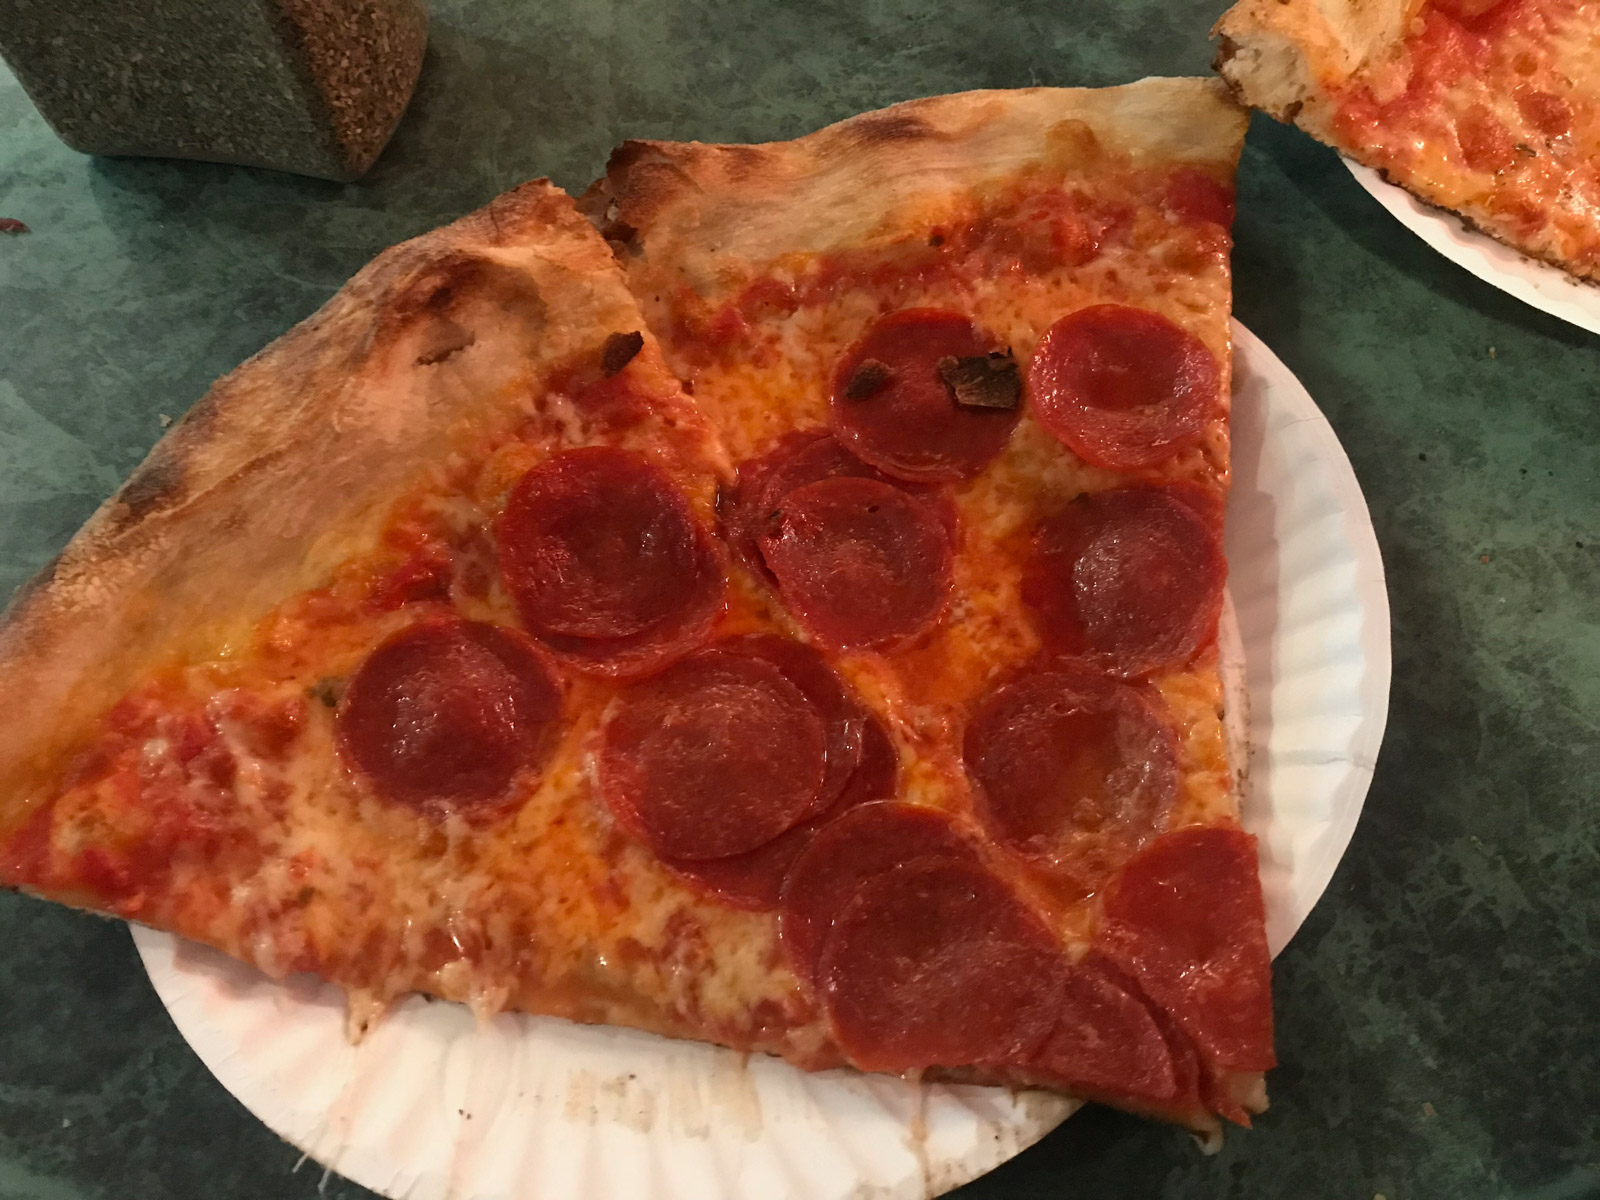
[620,350]
[982,380]
[436,309]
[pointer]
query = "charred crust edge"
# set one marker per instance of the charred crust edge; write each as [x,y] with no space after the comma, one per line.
[868,379]
[983,381]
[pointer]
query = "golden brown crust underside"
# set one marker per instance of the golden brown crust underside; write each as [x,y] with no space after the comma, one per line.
[706,207]
[272,475]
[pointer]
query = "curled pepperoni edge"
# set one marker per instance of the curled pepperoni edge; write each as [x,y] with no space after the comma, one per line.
[1049,590]
[1186,920]
[870,838]
[1002,991]
[662,637]
[517,653]
[1129,702]
[638,802]
[653,649]
[1122,439]
[754,880]
[796,549]
[798,458]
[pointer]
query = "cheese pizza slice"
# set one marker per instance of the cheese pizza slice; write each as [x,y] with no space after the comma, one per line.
[452,645]
[1490,108]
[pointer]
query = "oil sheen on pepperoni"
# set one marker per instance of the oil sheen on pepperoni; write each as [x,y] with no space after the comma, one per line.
[938,963]
[901,417]
[597,543]
[851,849]
[859,562]
[1127,582]
[755,880]
[841,713]
[1186,920]
[715,756]
[798,459]
[445,713]
[1123,388]
[1106,1043]
[1069,767]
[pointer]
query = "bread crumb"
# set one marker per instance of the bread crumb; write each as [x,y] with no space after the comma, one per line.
[164,419]
[1428,1110]
[1493,353]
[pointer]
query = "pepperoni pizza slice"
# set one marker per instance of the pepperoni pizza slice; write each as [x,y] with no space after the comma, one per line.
[818,660]
[969,357]
[1490,108]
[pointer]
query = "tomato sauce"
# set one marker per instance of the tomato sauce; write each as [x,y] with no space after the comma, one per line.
[1038,225]
[1470,109]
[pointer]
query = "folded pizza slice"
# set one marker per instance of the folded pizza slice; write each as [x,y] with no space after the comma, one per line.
[1490,108]
[970,356]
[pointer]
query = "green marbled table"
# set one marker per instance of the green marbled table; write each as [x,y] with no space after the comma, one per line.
[1439,1014]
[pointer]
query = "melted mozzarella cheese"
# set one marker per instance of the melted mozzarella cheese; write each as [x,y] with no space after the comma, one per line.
[1501,123]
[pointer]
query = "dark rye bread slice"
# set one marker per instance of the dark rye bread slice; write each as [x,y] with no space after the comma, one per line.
[314,87]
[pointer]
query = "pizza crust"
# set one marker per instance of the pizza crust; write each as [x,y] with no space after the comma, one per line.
[284,467]
[1282,55]
[849,185]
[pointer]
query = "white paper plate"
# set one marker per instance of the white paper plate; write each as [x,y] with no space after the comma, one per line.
[431,1107]
[1544,287]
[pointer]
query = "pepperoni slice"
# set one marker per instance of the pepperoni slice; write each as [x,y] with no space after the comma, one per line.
[859,562]
[863,842]
[598,544]
[1193,195]
[1122,387]
[894,404]
[1187,1105]
[841,713]
[877,777]
[1186,920]
[445,713]
[1129,582]
[1106,1043]
[715,756]
[1071,770]
[642,653]
[1206,504]
[798,459]
[938,963]
[755,880]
